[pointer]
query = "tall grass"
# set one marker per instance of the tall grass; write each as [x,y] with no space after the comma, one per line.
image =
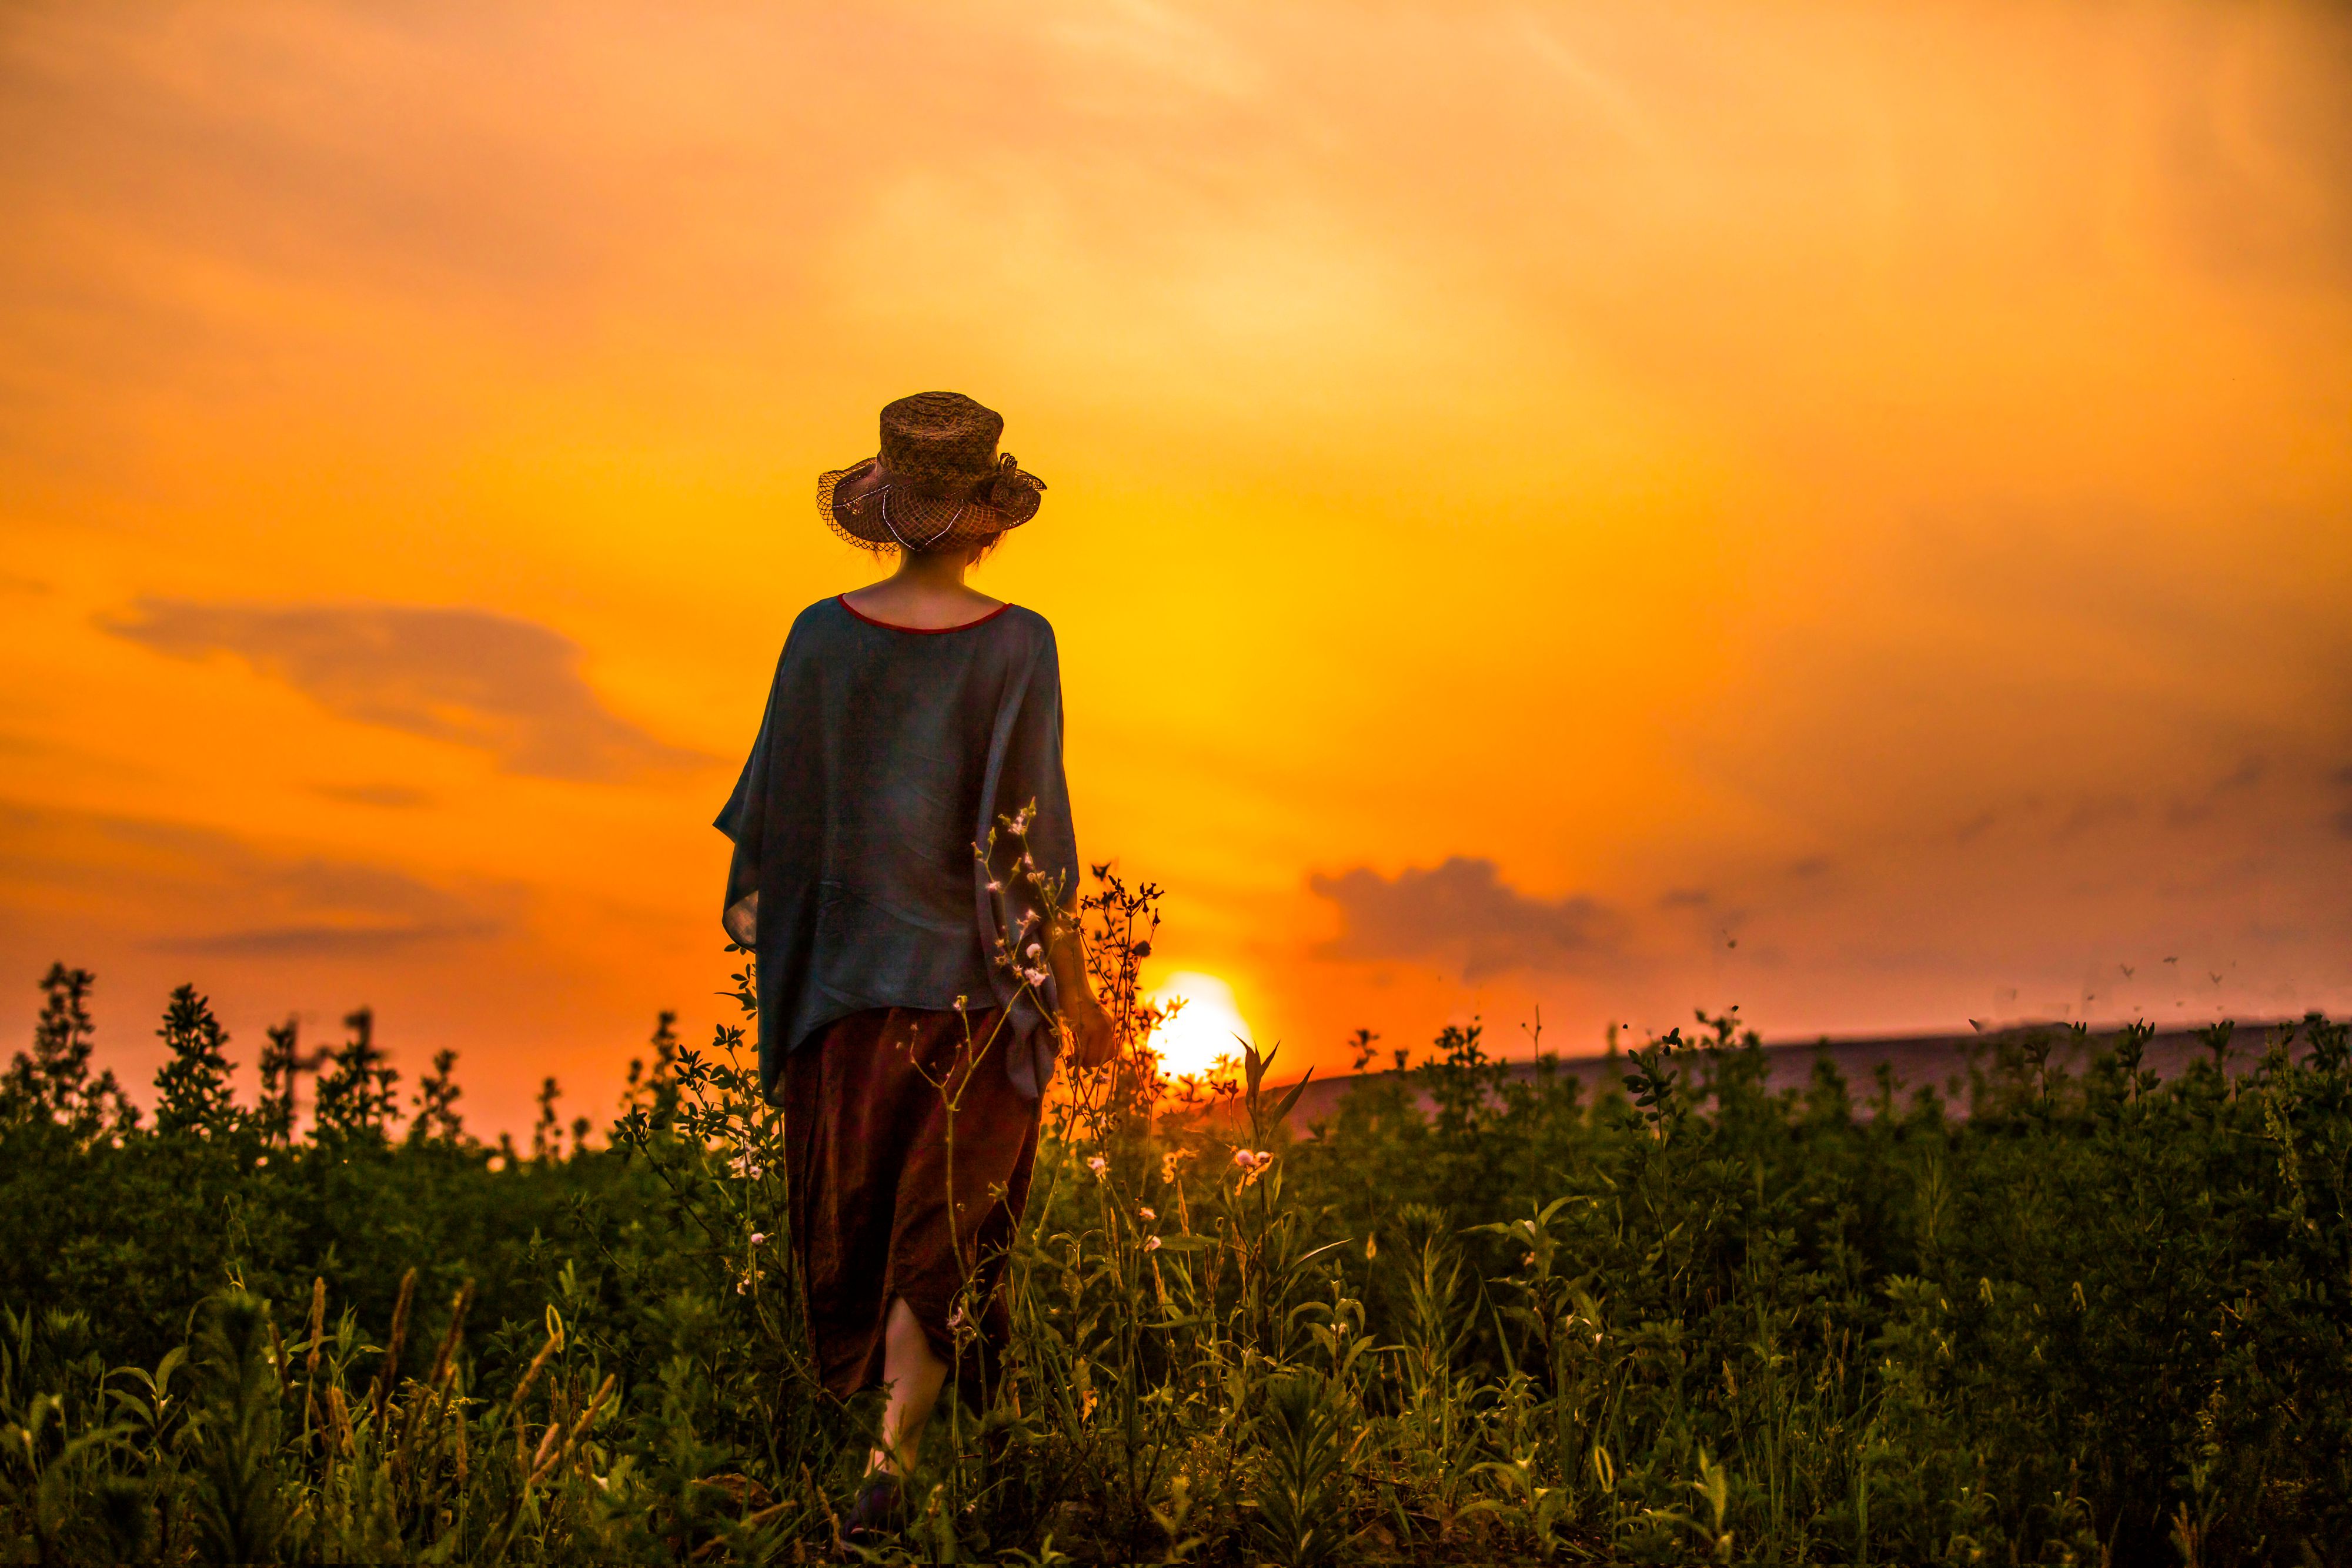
[1652,1313]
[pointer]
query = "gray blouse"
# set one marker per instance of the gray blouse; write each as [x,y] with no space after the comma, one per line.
[885,756]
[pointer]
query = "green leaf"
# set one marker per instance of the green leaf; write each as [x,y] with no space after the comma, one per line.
[1186,1243]
[1283,1108]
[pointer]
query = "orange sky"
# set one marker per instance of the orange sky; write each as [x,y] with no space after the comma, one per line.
[1540,495]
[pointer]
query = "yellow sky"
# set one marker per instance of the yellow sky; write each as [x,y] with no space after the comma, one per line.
[1540,495]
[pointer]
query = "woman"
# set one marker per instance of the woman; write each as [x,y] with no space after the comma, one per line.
[906,869]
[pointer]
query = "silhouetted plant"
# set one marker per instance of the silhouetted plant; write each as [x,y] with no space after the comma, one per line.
[53,1081]
[436,1118]
[357,1092]
[280,1064]
[192,1088]
[547,1133]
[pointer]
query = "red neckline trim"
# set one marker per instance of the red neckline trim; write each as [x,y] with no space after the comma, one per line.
[919,630]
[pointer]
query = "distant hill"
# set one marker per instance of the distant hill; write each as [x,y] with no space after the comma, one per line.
[1939,1059]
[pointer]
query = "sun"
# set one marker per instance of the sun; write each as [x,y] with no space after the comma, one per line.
[1204,1030]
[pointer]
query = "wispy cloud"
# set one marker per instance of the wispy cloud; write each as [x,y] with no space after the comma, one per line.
[200,891]
[509,687]
[1461,911]
[390,797]
[2231,789]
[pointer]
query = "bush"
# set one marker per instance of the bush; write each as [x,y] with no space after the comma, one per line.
[2085,1316]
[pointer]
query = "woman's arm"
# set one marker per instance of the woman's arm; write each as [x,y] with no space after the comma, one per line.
[742,920]
[1094,1039]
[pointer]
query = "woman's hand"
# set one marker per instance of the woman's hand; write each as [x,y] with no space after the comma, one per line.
[1094,1039]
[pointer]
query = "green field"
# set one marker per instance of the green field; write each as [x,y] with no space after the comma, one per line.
[2086,1316]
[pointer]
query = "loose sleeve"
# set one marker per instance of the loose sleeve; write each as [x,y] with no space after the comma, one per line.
[741,821]
[1029,777]
[744,820]
[1034,775]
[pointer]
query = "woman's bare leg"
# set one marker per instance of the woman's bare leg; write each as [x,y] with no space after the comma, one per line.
[913,1375]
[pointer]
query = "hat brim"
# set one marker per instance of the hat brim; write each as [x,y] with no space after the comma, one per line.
[860,504]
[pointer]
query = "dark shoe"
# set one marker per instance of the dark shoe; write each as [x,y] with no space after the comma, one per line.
[873,1517]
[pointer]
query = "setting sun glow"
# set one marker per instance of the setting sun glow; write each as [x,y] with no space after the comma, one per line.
[1833,508]
[1207,1027]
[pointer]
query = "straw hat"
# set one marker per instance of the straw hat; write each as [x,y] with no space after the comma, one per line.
[937,481]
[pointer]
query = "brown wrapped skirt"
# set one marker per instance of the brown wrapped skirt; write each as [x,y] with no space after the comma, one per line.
[866,1124]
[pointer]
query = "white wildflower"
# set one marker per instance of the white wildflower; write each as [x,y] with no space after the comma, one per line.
[759,1238]
[1035,951]
[1146,1214]
[1151,1244]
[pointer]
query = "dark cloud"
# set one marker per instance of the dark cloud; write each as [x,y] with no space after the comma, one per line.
[395,796]
[1460,911]
[1809,867]
[196,890]
[2241,780]
[509,687]
[2094,811]
[1685,898]
[322,941]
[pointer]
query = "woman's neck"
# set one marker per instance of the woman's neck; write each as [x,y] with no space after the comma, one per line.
[926,593]
[932,570]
